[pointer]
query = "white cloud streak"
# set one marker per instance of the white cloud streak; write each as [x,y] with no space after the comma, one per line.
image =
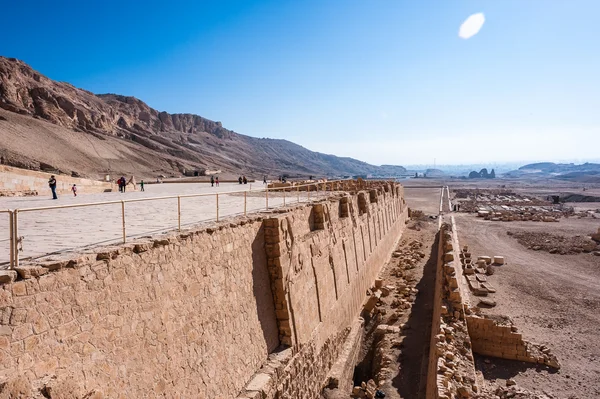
[471,26]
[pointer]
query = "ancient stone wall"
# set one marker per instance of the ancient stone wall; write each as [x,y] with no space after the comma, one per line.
[499,337]
[459,330]
[188,316]
[322,259]
[202,313]
[451,371]
[15,181]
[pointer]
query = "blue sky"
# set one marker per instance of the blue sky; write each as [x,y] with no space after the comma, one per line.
[385,81]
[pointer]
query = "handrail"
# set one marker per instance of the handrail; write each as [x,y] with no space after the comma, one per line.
[42,208]
[15,240]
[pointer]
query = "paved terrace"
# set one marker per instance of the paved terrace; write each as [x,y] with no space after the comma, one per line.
[62,230]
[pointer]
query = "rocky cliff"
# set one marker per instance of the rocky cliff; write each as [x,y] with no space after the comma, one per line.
[176,142]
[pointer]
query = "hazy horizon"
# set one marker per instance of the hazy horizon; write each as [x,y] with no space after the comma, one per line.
[383,82]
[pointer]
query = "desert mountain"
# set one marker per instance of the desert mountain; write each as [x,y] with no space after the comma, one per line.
[54,125]
[584,173]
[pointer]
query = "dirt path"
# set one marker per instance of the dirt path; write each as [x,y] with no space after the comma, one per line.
[554,300]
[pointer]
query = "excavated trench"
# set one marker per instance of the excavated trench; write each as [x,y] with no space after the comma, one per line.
[395,345]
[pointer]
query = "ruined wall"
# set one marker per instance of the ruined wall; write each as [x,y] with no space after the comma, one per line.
[322,259]
[498,337]
[459,330]
[203,313]
[189,316]
[16,181]
[451,369]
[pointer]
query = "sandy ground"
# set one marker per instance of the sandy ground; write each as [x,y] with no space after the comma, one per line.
[553,299]
[62,230]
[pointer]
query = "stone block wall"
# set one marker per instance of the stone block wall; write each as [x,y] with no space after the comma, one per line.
[186,316]
[322,260]
[16,181]
[451,369]
[204,313]
[498,337]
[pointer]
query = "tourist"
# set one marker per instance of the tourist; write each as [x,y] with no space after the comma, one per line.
[240,179]
[52,184]
[141,185]
[245,180]
[74,189]
[217,181]
[212,181]
[123,182]
[265,180]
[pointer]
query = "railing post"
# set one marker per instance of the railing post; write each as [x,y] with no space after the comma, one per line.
[12,238]
[245,201]
[179,212]
[16,238]
[123,220]
[217,207]
[267,196]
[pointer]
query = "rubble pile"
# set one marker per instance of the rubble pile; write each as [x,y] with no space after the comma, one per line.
[512,391]
[476,273]
[389,304]
[555,243]
[506,206]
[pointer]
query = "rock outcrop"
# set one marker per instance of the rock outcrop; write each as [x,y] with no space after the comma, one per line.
[181,141]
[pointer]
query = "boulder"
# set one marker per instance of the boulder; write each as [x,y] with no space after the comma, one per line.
[486,303]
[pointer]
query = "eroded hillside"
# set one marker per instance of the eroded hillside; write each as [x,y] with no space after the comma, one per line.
[109,133]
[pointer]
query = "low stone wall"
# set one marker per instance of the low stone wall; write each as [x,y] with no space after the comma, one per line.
[15,181]
[459,330]
[203,313]
[499,337]
[451,363]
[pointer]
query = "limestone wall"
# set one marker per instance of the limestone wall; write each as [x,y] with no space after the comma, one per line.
[322,259]
[203,313]
[15,181]
[189,316]
[451,371]
[499,337]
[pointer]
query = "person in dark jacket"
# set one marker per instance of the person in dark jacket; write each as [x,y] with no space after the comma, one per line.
[212,181]
[52,184]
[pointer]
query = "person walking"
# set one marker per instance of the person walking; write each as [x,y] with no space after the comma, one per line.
[212,181]
[245,180]
[240,179]
[52,184]
[265,180]
[74,189]
[123,182]
[141,185]
[217,181]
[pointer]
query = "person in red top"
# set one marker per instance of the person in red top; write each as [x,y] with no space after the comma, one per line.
[217,181]
[74,189]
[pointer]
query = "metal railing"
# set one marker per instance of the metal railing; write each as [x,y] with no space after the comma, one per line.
[318,188]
